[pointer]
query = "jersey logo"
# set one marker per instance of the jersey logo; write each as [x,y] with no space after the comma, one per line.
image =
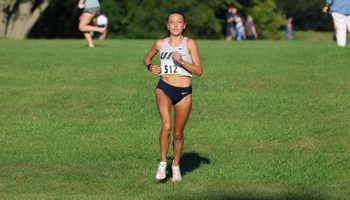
[166,54]
[180,48]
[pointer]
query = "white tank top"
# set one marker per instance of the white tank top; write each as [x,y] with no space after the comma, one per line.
[171,67]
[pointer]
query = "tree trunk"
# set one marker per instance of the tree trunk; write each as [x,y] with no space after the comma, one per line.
[5,6]
[17,18]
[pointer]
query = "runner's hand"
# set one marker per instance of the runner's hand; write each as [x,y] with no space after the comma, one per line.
[155,69]
[177,57]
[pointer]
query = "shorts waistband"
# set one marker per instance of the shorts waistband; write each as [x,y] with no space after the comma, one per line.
[174,88]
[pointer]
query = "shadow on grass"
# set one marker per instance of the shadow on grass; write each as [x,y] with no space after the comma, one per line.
[188,162]
[85,46]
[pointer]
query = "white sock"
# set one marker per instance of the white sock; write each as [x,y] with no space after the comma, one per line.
[176,167]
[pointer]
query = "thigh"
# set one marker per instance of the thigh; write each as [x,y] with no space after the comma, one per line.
[348,22]
[86,18]
[164,106]
[181,112]
[340,20]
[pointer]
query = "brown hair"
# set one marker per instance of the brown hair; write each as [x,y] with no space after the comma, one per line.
[184,32]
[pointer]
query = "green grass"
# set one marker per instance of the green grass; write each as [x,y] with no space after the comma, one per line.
[270,120]
[313,35]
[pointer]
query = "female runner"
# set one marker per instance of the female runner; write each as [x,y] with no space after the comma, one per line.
[179,58]
[92,8]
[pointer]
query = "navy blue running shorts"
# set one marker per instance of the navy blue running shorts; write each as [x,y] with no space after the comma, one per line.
[175,94]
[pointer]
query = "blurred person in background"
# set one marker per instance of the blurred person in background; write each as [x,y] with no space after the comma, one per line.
[239,25]
[340,11]
[289,29]
[102,22]
[91,8]
[250,29]
[230,25]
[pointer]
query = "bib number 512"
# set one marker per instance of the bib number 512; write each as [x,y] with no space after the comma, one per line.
[170,69]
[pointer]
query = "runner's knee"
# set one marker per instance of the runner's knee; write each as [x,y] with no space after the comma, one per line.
[178,135]
[166,129]
[81,26]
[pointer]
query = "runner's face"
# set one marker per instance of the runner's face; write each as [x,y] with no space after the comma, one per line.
[176,24]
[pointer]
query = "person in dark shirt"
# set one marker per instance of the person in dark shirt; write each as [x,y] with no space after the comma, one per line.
[230,24]
[250,29]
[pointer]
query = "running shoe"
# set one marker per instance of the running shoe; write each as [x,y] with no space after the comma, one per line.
[176,173]
[161,173]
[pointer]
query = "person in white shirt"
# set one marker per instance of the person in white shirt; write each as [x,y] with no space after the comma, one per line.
[239,25]
[102,21]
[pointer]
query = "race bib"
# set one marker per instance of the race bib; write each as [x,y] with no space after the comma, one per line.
[170,68]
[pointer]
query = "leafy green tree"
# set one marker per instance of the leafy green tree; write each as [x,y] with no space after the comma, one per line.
[143,19]
[267,18]
[60,20]
[147,18]
[307,15]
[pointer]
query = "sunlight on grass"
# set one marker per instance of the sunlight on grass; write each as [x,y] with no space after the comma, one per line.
[270,120]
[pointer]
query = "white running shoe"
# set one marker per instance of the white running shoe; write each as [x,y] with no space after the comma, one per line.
[161,173]
[176,173]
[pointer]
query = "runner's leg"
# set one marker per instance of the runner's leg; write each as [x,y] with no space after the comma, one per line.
[164,108]
[181,113]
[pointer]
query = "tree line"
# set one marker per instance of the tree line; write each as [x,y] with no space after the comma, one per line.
[146,19]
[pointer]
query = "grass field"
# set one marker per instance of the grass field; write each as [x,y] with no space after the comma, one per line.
[312,35]
[270,120]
